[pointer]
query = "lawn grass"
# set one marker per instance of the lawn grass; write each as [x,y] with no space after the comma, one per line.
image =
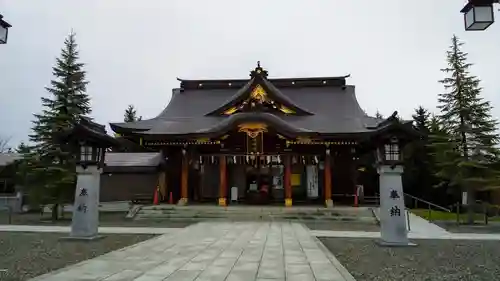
[435,215]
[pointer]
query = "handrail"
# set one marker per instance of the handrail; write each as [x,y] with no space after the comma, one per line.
[408,218]
[9,211]
[428,203]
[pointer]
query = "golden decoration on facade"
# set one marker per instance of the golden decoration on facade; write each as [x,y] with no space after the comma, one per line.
[259,94]
[286,110]
[322,142]
[304,140]
[179,143]
[253,129]
[202,140]
[230,111]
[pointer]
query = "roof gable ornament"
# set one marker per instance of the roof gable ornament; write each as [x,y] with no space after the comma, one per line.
[259,94]
[258,71]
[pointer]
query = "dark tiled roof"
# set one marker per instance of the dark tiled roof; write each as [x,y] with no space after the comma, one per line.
[334,109]
[133,159]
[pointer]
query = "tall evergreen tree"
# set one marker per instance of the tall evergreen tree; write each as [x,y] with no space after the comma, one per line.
[131,114]
[23,148]
[51,166]
[465,156]
[378,115]
[417,176]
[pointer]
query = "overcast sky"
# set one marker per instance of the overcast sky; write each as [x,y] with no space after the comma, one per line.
[134,50]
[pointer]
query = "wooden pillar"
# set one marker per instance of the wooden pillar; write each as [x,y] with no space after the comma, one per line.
[222,181]
[288,181]
[184,179]
[162,184]
[328,179]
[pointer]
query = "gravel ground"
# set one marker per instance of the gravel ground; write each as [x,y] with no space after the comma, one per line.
[492,227]
[26,255]
[343,226]
[431,260]
[105,219]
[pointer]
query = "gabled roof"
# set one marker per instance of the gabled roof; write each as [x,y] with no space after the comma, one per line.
[244,93]
[9,158]
[133,159]
[331,105]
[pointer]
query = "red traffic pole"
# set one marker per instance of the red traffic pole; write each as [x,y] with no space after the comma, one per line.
[155,198]
[356,197]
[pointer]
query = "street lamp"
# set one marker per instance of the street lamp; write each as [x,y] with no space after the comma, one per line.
[4,30]
[478,14]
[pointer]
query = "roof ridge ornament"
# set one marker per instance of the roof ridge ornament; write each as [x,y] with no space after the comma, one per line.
[258,71]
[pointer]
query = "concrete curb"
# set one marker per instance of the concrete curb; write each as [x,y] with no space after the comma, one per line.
[343,271]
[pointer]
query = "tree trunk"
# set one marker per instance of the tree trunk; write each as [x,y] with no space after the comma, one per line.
[469,188]
[55,213]
[471,201]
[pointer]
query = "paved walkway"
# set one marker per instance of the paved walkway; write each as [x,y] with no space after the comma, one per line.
[420,225]
[216,251]
[367,234]
[102,229]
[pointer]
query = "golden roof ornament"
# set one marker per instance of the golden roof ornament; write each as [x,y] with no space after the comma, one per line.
[258,71]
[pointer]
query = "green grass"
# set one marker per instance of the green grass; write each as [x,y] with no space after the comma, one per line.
[446,216]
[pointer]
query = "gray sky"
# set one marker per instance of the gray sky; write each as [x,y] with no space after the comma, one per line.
[134,50]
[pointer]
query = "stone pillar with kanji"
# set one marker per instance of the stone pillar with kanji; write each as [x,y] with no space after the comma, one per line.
[393,226]
[89,142]
[85,222]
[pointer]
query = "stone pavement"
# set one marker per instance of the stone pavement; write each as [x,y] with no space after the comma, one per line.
[368,234]
[419,225]
[216,251]
[102,229]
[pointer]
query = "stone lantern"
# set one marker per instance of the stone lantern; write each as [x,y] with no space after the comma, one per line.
[388,139]
[89,141]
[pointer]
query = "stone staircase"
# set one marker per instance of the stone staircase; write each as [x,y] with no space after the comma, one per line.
[251,213]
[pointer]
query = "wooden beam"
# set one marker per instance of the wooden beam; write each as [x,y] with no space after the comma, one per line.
[328,179]
[184,179]
[288,180]
[222,181]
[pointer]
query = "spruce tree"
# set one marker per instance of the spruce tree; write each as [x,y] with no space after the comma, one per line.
[131,114]
[51,166]
[23,148]
[417,176]
[378,115]
[466,154]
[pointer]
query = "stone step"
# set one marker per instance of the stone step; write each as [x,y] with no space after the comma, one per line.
[249,217]
[326,214]
[244,213]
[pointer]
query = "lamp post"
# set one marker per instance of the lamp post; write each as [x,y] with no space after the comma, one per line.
[4,30]
[88,141]
[393,228]
[478,14]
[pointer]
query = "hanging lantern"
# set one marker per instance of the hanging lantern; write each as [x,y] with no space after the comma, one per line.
[478,14]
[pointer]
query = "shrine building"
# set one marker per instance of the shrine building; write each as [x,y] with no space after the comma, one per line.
[258,140]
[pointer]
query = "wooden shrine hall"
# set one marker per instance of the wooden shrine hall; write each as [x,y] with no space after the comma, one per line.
[259,140]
